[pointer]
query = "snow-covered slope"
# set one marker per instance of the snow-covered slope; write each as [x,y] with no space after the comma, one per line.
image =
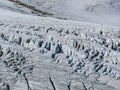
[95,11]
[42,53]
[5,5]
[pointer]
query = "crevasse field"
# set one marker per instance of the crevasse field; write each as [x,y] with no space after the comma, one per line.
[59,45]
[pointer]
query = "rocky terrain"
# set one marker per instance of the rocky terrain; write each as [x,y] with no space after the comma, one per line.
[38,53]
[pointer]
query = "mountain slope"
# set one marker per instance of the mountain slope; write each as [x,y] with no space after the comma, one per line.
[93,11]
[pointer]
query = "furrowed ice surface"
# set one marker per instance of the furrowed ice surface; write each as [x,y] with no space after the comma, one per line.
[38,53]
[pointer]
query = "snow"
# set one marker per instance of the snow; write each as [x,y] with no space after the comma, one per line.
[95,11]
[35,51]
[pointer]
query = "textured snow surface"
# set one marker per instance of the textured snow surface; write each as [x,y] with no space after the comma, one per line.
[38,53]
